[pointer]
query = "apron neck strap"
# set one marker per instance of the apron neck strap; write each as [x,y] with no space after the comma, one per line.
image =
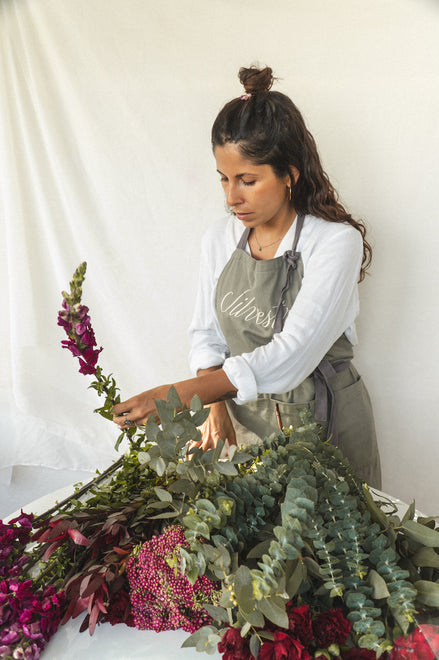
[244,238]
[299,225]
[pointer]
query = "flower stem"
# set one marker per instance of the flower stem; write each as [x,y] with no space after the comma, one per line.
[61,505]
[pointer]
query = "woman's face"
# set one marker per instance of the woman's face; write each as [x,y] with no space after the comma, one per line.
[254,192]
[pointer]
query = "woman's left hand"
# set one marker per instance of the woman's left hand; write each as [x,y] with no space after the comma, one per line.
[217,426]
[135,411]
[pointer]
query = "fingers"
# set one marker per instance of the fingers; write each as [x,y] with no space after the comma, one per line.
[123,407]
[129,418]
[138,409]
[121,414]
[209,443]
[124,415]
[125,423]
[210,437]
[231,437]
[133,412]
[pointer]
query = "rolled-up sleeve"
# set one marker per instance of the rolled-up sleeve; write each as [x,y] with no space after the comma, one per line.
[240,374]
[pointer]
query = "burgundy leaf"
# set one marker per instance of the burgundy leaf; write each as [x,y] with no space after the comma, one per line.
[77,537]
[93,619]
[92,586]
[84,624]
[121,551]
[76,606]
[51,549]
[100,604]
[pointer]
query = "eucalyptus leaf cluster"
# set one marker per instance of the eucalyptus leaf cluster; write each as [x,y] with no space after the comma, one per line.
[299,526]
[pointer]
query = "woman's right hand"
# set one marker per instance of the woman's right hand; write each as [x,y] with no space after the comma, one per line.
[218,426]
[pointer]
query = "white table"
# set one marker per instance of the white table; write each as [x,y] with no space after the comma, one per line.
[118,643]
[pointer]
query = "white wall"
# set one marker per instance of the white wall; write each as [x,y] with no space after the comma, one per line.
[106,110]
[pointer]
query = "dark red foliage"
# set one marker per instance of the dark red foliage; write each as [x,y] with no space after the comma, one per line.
[283,647]
[300,624]
[234,646]
[331,627]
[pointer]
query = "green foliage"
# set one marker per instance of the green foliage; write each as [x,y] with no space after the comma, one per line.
[284,520]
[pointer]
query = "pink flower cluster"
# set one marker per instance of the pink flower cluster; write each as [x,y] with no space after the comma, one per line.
[81,340]
[162,598]
[28,616]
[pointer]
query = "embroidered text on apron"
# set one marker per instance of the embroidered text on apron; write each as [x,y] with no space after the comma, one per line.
[253,298]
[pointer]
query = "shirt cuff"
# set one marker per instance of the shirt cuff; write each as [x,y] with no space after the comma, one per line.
[205,360]
[242,377]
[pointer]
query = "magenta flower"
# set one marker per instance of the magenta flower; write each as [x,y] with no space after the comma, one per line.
[10,637]
[25,616]
[29,616]
[33,631]
[80,328]
[23,519]
[75,320]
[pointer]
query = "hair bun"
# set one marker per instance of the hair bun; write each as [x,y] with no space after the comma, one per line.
[256,80]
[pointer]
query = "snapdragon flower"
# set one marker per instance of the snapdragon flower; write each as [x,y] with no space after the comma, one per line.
[75,320]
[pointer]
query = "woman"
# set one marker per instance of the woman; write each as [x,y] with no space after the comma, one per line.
[273,327]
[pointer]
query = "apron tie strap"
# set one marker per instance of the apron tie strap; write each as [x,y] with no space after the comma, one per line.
[291,259]
[324,405]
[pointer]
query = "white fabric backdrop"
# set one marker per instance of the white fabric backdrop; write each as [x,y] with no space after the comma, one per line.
[105,114]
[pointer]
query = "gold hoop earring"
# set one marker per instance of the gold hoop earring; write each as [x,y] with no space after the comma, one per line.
[289,192]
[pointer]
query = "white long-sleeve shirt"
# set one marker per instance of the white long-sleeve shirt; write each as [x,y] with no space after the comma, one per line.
[326,306]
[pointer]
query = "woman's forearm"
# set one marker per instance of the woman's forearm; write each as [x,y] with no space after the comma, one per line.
[211,385]
[202,372]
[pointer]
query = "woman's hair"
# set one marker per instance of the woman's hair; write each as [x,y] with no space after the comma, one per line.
[269,130]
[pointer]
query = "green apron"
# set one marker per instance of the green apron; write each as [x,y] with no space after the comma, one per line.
[253,298]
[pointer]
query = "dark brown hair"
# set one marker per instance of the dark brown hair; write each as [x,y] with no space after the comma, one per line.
[270,130]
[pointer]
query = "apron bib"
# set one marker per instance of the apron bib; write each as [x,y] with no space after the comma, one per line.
[253,299]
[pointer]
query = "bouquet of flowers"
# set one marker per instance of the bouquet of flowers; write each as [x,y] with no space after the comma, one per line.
[278,552]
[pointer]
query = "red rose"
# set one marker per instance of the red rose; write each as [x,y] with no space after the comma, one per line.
[359,654]
[283,647]
[119,609]
[331,628]
[431,634]
[300,624]
[419,644]
[234,646]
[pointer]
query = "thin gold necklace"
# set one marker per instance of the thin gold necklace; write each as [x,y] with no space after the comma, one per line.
[262,247]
